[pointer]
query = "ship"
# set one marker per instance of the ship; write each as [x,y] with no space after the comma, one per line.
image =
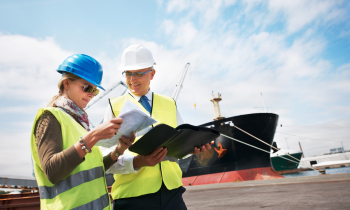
[229,160]
[336,158]
[283,162]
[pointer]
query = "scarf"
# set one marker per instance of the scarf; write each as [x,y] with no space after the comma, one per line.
[72,109]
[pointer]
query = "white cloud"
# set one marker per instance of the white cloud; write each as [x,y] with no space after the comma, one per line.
[15,155]
[187,33]
[168,26]
[177,6]
[300,13]
[345,34]
[209,10]
[317,139]
[183,33]
[28,81]
[18,109]
[28,71]
[236,56]
[240,62]
[27,67]
[344,69]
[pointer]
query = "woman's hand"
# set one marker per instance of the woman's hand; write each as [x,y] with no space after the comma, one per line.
[105,130]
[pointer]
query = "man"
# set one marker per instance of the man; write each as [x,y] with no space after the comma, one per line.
[152,181]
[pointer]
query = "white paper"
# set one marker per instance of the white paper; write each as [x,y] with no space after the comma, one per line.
[134,119]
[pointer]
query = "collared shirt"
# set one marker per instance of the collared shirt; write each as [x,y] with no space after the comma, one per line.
[124,164]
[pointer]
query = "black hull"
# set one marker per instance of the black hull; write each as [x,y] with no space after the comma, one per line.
[238,156]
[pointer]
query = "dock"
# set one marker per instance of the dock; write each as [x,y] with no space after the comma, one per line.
[333,164]
[309,192]
[329,191]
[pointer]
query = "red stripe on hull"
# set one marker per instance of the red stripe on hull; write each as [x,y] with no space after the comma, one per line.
[233,176]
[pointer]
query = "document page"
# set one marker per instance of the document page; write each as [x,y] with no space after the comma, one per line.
[133,120]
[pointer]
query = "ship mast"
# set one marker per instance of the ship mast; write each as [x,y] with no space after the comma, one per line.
[216,106]
[301,150]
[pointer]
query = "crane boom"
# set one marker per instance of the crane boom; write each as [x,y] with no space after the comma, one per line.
[179,84]
[108,91]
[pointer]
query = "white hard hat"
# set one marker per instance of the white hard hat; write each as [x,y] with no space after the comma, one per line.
[136,57]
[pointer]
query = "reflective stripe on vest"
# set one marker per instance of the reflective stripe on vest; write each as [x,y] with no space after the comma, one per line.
[85,187]
[99,203]
[148,179]
[70,182]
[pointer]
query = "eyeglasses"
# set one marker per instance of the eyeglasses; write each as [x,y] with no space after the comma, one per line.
[89,89]
[136,74]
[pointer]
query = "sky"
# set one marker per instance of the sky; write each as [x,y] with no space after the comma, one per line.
[296,53]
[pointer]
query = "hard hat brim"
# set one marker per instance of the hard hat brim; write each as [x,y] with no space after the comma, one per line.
[83,77]
[136,67]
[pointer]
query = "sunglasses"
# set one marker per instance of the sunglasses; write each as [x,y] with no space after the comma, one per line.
[139,74]
[89,89]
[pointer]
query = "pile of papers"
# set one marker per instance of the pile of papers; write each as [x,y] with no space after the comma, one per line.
[134,120]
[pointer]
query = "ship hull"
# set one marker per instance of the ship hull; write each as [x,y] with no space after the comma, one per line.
[228,155]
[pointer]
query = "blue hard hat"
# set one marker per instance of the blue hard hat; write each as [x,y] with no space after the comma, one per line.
[84,67]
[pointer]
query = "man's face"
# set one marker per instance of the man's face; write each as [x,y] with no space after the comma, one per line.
[140,86]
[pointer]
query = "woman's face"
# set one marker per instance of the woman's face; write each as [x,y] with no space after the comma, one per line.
[74,91]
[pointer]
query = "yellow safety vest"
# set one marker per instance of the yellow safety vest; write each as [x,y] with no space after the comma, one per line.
[85,187]
[148,179]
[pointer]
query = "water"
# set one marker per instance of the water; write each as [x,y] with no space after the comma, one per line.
[315,173]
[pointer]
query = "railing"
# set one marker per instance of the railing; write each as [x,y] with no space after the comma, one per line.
[265,110]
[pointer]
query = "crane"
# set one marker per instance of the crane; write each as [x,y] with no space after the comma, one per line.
[179,84]
[108,91]
[105,93]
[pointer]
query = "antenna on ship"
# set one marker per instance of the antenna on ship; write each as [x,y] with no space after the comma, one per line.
[263,101]
[216,106]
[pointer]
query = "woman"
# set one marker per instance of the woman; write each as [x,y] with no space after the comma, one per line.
[70,171]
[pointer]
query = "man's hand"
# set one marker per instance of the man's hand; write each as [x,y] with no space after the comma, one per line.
[125,143]
[150,160]
[204,148]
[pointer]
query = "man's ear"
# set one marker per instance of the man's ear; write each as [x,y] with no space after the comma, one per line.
[153,72]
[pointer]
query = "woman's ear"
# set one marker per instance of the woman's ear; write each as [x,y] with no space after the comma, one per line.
[66,84]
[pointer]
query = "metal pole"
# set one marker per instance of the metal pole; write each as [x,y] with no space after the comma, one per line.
[263,101]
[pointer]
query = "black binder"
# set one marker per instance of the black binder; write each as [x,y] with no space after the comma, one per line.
[179,141]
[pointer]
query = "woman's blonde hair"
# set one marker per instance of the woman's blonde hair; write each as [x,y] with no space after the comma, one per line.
[65,76]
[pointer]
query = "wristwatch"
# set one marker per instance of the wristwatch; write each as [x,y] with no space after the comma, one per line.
[116,151]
